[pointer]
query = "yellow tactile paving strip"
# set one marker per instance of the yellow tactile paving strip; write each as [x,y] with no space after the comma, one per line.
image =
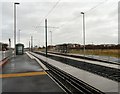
[22,74]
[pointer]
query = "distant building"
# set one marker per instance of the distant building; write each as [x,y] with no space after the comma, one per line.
[64,48]
[3,46]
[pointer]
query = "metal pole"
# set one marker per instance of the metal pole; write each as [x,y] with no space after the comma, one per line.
[14,29]
[83,31]
[31,43]
[9,43]
[93,50]
[51,37]
[46,35]
[19,35]
[10,47]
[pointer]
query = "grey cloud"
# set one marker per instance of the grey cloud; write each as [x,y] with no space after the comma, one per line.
[100,22]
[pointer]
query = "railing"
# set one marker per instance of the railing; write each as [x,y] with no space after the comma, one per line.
[5,54]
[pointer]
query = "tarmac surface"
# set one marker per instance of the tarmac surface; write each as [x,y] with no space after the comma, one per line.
[22,74]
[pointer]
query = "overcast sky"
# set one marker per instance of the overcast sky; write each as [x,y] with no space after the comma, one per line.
[101,21]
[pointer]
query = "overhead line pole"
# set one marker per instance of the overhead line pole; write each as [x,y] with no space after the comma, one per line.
[46,35]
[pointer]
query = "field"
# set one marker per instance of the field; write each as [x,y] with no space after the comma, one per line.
[100,52]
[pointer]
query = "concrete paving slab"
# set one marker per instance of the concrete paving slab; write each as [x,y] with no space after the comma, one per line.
[40,83]
[20,64]
[23,74]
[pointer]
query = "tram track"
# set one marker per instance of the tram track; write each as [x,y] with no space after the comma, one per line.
[69,83]
[111,73]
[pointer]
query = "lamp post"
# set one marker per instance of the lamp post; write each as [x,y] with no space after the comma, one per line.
[92,49]
[83,31]
[15,27]
[31,43]
[19,35]
[51,37]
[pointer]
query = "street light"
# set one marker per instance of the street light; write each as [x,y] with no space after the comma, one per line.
[31,43]
[83,31]
[19,36]
[15,27]
[51,37]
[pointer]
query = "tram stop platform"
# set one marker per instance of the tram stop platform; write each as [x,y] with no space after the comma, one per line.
[25,74]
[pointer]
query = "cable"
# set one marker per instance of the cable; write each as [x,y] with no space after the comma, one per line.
[96,6]
[73,18]
[86,12]
[50,11]
[53,8]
